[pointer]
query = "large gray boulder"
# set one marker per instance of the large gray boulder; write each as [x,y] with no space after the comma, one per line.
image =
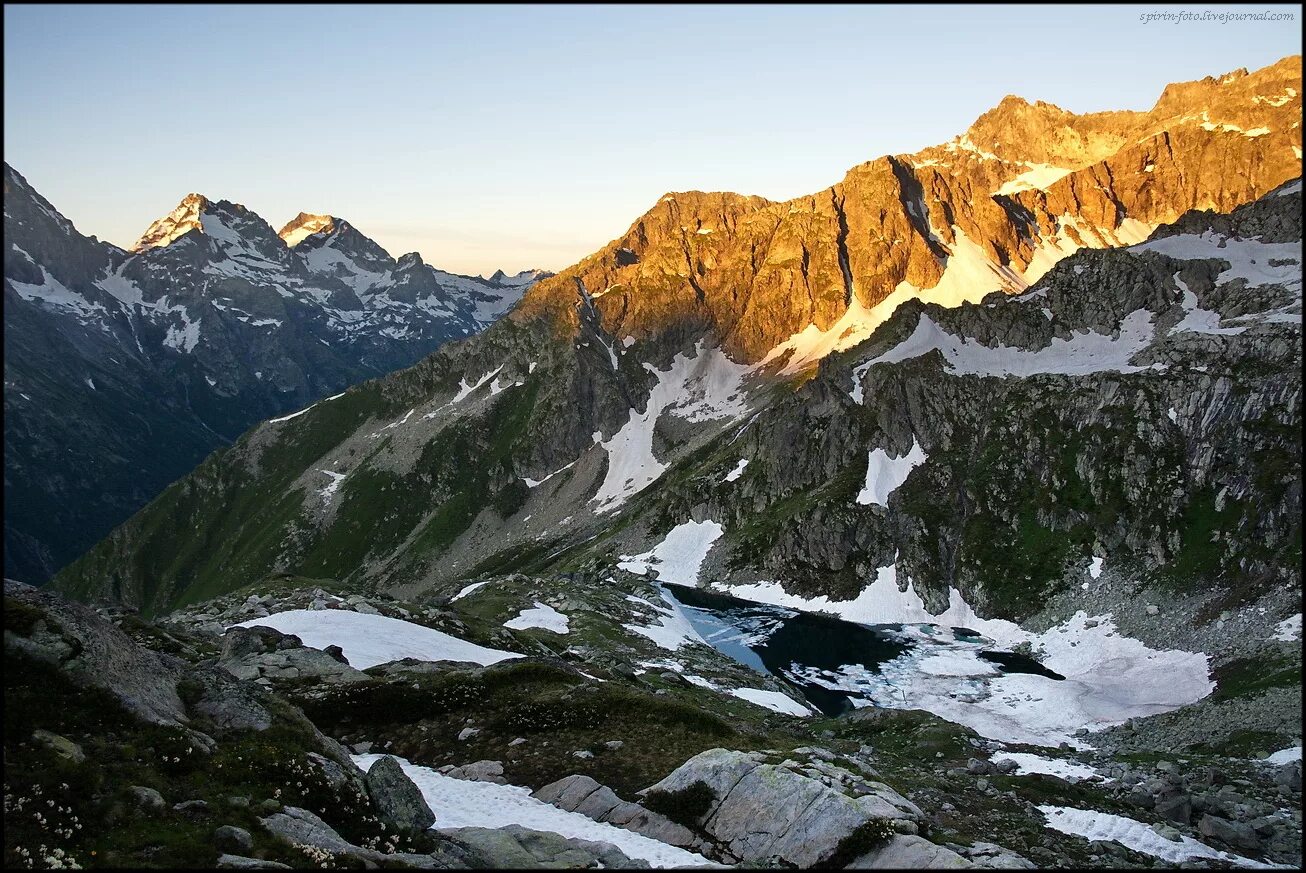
[764,811]
[583,795]
[299,827]
[516,847]
[396,797]
[263,652]
[905,852]
[95,654]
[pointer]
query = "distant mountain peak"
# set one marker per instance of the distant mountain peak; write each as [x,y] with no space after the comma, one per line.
[177,223]
[304,225]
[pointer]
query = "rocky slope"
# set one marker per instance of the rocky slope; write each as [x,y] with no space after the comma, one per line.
[122,370]
[212,738]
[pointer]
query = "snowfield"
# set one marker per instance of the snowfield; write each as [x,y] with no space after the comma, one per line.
[368,640]
[458,803]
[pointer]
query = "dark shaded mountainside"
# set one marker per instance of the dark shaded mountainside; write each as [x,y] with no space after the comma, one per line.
[124,369]
[743,370]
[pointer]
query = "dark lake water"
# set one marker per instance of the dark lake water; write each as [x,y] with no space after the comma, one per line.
[782,642]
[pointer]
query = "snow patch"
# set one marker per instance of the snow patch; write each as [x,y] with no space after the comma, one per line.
[1083,353]
[460,803]
[1093,825]
[672,630]
[1028,764]
[1288,630]
[884,474]
[736,472]
[772,700]
[680,555]
[368,640]
[542,616]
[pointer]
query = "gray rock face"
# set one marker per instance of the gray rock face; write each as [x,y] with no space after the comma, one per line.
[764,811]
[582,794]
[94,653]
[910,853]
[397,799]
[516,847]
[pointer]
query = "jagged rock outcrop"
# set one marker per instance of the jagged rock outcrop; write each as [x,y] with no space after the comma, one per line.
[996,204]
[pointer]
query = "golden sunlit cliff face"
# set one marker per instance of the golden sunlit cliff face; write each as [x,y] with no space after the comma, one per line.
[993,209]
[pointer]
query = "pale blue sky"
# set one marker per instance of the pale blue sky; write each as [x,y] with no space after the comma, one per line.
[521,136]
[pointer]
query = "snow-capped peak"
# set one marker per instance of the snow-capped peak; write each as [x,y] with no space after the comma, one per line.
[178,222]
[304,225]
[525,277]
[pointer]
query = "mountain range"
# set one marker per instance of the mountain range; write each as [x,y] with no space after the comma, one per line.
[123,369]
[713,368]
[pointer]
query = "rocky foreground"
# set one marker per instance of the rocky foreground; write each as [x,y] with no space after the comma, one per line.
[196,742]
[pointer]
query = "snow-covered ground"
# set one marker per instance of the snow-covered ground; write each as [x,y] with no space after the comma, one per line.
[468,590]
[701,388]
[1028,764]
[541,616]
[1084,353]
[1109,678]
[1284,756]
[459,803]
[772,700]
[672,629]
[368,640]
[1288,630]
[884,474]
[1092,825]
[680,555]
[737,471]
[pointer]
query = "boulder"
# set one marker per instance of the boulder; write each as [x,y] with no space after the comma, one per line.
[994,857]
[583,795]
[94,653]
[516,847]
[1178,808]
[762,811]
[397,798]
[478,771]
[147,798]
[60,745]
[910,853]
[229,838]
[1289,775]
[1233,833]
